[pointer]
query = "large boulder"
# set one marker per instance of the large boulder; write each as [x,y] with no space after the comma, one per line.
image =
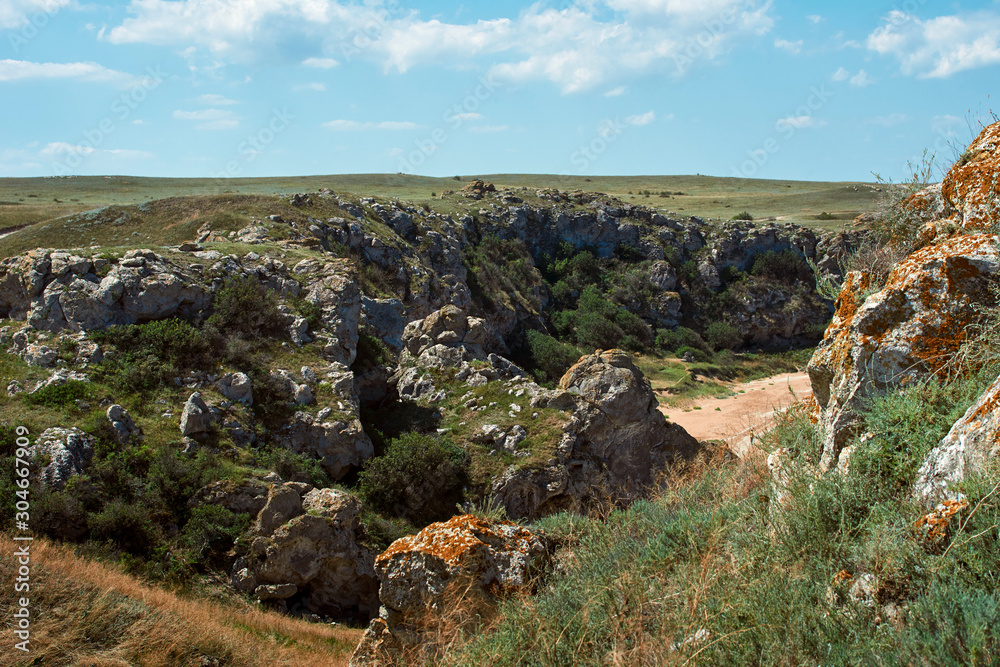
[61,453]
[452,327]
[909,329]
[971,189]
[339,443]
[972,443]
[614,446]
[196,417]
[463,561]
[306,550]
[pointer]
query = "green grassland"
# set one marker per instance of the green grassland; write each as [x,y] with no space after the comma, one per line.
[28,201]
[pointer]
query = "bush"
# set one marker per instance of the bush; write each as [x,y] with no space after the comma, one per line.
[58,395]
[786,266]
[594,331]
[698,355]
[745,215]
[246,309]
[671,340]
[419,478]
[127,525]
[548,356]
[147,356]
[292,466]
[723,336]
[211,531]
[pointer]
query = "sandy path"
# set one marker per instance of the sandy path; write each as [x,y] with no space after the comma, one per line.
[734,418]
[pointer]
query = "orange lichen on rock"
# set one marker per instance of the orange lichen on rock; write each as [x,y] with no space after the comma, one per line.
[972,185]
[455,539]
[932,528]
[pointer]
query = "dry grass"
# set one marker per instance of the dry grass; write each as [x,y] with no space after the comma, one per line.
[88,613]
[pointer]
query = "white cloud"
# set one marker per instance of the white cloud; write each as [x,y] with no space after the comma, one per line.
[861,79]
[616,92]
[210,119]
[467,116]
[61,149]
[939,47]
[354,125]
[19,70]
[486,129]
[792,47]
[641,119]
[889,120]
[314,86]
[216,100]
[796,122]
[841,75]
[814,18]
[320,63]
[18,13]
[138,121]
[576,48]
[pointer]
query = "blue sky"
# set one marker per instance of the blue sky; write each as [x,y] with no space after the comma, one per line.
[755,88]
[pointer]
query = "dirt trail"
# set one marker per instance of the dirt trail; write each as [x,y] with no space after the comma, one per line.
[735,418]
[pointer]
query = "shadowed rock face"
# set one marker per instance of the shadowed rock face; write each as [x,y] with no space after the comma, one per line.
[911,328]
[466,560]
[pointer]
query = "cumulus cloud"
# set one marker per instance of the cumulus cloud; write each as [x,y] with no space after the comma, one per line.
[616,92]
[796,122]
[861,79]
[578,47]
[19,70]
[320,63]
[17,13]
[792,47]
[841,75]
[355,125]
[61,150]
[210,119]
[939,47]
[641,119]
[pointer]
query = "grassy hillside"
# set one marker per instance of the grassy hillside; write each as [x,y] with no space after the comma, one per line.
[25,201]
[87,613]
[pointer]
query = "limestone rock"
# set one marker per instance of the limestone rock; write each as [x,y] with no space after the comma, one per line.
[196,418]
[125,429]
[236,387]
[971,444]
[248,497]
[907,330]
[62,453]
[339,445]
[283,503]
[421,576]
[970,188]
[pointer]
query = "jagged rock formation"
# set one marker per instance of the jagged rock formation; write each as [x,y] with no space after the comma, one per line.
[914,325]
[61,453]
[463,564]
[910,328]
[970,446]
[305,551]
[613,447]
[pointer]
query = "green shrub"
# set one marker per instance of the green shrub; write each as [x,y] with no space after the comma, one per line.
[951,625]
[246,309]
[670,340]
[211,531]
[595,331]
[371,350]
[785,266]
[59,395]
[745,215]
[697,354]
[127,526]
[292,466]
[419,478]
[548,356]
[723,336]
[144,357]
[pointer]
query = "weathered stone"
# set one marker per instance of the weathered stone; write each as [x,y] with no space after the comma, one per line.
[61,454]
[125,429]
[970,446]
[909,329]
[236,387]
[196,418]
[282,504]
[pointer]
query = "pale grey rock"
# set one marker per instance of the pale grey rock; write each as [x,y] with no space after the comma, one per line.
[61,454]
[196,418]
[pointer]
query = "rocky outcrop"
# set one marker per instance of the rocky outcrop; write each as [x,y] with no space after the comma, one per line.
[196,417]
[125,429]
[463,563]
[305,554]
[971,189]
[909,329]
[970,446]
[61,454]
[614,445]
